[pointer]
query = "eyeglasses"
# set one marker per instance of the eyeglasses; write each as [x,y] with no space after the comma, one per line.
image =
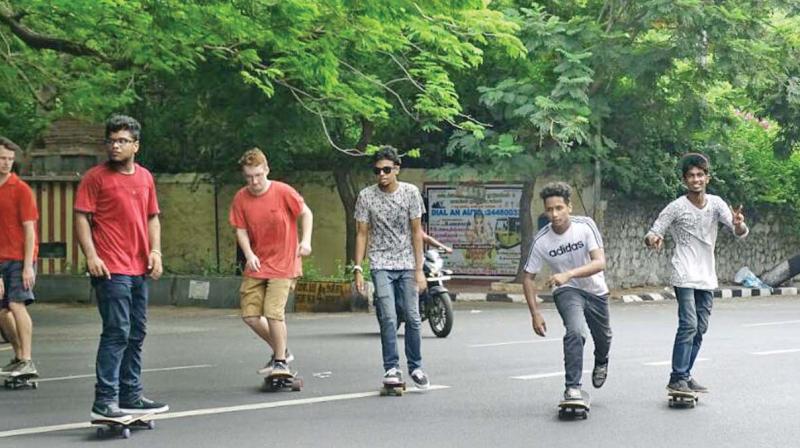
[384,170]
[120,141]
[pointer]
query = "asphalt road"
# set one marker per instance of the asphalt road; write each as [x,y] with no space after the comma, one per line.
[496,384]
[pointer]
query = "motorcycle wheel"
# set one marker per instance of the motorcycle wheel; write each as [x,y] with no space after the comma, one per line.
[440,314]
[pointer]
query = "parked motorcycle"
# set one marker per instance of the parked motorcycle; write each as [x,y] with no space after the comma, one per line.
[435,304]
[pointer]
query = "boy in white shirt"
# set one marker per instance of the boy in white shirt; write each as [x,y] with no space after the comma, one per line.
[573,249]
[693,220]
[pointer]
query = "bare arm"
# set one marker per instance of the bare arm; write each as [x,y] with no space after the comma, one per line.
[28,275]
[427,239]
[529,288]
[306,226]
[597,264]
[96,266]
[416,241]
[154,259]
[362,230]
[253,263]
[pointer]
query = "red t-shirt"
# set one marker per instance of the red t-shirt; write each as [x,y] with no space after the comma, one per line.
[271,224]
[120,205]
[17,205]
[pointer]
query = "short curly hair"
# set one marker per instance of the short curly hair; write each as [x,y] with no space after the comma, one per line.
[386,152]
[252,157]
[694,160]
[556,189]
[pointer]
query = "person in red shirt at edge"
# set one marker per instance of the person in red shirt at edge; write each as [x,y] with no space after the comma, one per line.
[265,214]
[18,251]
[116,220]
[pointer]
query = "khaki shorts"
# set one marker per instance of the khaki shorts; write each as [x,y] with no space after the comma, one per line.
[265,297]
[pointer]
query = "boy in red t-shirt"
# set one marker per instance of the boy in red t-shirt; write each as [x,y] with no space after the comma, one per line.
[265,214]
[116,220]
[18,216]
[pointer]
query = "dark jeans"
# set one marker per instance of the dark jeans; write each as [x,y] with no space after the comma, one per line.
[694,309]
[576,307]
[122,302]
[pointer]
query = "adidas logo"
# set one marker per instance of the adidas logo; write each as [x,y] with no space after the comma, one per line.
[566,248]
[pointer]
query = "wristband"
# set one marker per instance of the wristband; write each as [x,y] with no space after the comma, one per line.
[156,251]
[357,268]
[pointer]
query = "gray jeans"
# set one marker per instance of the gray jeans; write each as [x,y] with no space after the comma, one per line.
[576,306]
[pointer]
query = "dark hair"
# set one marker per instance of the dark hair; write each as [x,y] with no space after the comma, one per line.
[694,160]
[8,144]
[386,152]
[558,189]
[118,123]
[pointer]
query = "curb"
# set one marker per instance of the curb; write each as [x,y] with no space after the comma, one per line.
[724,293]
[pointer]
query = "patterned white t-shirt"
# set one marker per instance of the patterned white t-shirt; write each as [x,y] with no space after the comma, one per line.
[695,233]
[569,250]
[389,216]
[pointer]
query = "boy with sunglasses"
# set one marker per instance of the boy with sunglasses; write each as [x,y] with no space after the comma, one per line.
[389,214]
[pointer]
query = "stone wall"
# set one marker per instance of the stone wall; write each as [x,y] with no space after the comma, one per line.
[771,240]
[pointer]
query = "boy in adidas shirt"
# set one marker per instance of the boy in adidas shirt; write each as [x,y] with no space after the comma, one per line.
[573,249]
[693,220]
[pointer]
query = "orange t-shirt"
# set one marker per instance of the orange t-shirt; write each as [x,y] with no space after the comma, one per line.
[17,205]
[271,224]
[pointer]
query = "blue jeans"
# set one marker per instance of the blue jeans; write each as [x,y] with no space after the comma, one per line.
[577,306]
[122,302]
[391,286]
[694,309]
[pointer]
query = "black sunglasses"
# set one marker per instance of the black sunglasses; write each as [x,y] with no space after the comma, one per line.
[385,170]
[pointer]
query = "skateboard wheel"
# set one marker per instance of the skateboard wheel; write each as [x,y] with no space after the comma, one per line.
[100,432]
[384,392]
[151,424]
[35,385]
[126,433]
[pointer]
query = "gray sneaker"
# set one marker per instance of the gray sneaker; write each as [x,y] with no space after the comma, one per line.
[420,379]
[572,394]
[6,370]
[696,387]
[105,411]
[143,406]
[24,368]
[267,369]
[599,375]
[679,386]
[280,368]
[393,377]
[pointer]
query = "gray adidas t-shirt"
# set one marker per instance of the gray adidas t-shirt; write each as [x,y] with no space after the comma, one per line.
[569,250]
[388,216]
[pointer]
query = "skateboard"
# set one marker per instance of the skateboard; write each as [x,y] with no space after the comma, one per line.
[27,381]
[574,409]
[123,427]
[393,389]
[682,399]
[279,382]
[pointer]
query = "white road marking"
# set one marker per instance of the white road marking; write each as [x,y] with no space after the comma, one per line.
[669,363]
[162,369]
[528,341]
[214,411]
[539,376]
[3,349]
[776,352]
[769,324]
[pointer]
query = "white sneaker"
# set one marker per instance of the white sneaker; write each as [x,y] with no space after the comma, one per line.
[393,377]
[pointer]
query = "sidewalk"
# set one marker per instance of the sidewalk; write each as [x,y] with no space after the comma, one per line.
[483,290]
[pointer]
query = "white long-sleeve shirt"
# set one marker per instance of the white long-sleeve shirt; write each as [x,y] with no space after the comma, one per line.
[695,233]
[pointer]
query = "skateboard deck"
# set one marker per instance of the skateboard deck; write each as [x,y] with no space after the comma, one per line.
[283,381]
[27,381]
[682,399]
[572,409]
[393,389]
[123,427]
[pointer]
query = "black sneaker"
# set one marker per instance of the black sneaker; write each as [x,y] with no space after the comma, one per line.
[393,377]
[420,379]
[679,386]
[599,375]
[109,411]
[143,406]
[696,387]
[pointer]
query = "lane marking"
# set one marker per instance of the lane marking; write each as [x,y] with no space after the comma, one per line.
[539,376]
[162,369]
[3,349]
[669,363]
[529,341]
[776,352]
[768,324]
[214,411]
